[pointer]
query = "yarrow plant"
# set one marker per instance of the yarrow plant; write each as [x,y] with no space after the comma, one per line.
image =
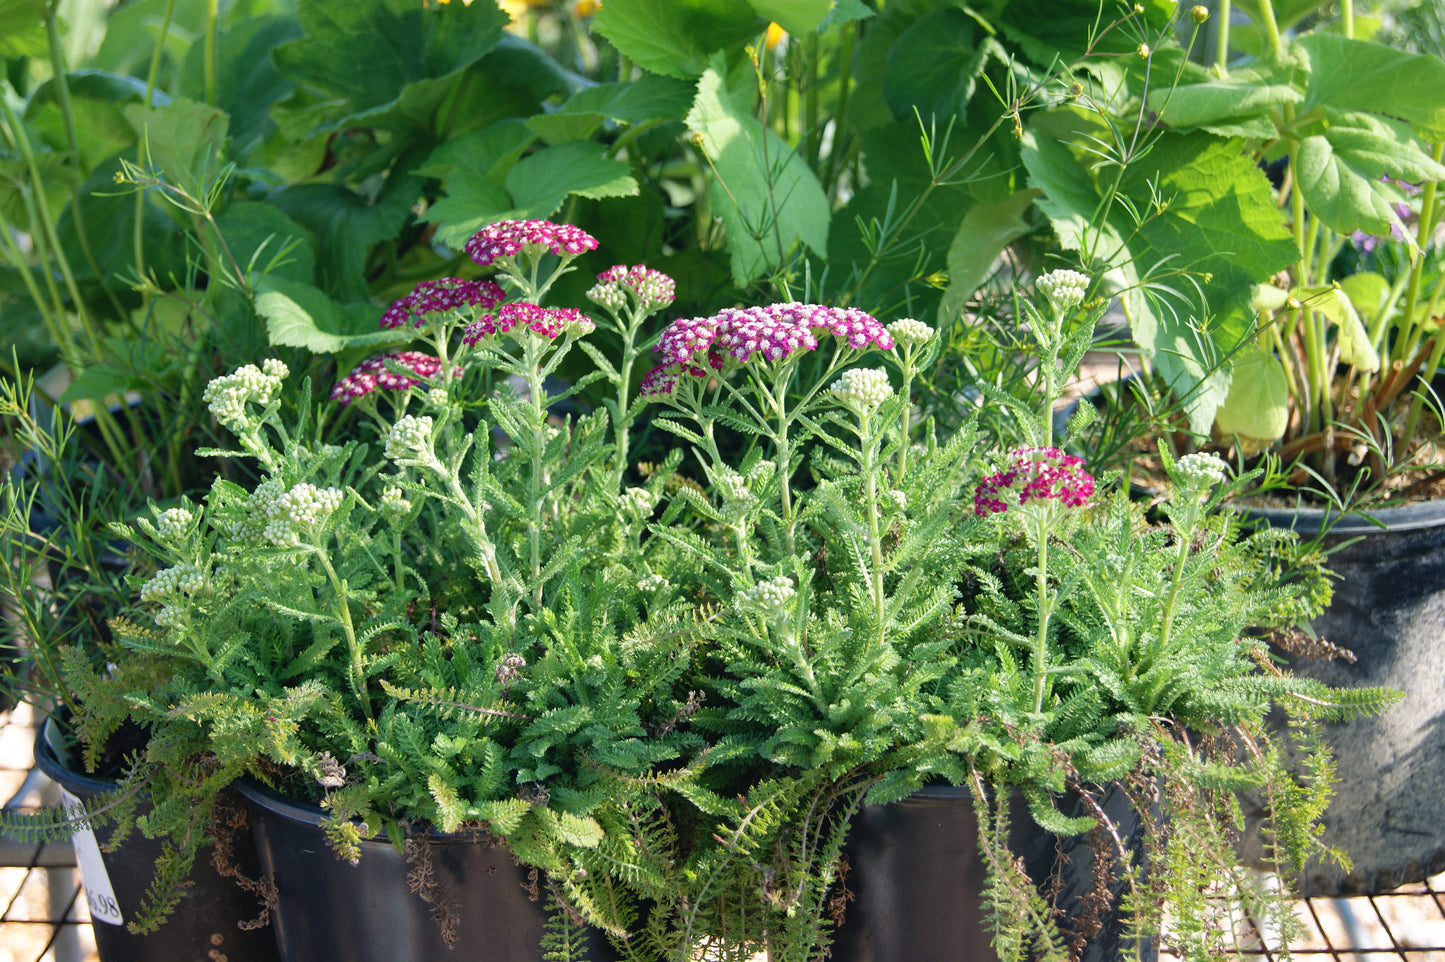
[671,685]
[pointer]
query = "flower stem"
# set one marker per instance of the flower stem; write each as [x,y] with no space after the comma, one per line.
[358,671]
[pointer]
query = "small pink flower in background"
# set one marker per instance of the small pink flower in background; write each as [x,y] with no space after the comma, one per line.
[507,238]
[546,321]
[375,372]
[654,290]
[662,381]
[1036,474]
[439,296]
[771,333]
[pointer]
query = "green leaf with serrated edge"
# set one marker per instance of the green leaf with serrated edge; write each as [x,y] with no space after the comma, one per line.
[982,235]
[795,16]
[846,11]
[1242,98]
[366,52]
[772,198]
[470,204]
[1350,333]
[299,315]
[1257,406]
[345,225]
[649,97]
[247,83]
[675,37]
[1357,75]
[489,152]
[541,181]
[186,140]
[934,66]
[1342,172]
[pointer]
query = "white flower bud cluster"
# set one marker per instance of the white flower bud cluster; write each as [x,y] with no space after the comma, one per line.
[1199,472]
[394,503]
[173,583]
[172,524]
[228,396]
[608,294]
[638,502]
[652,583]
[862,389]
[301,508]
[410,440]
[1064,289]
[910,333]
[769,597]
[899,499]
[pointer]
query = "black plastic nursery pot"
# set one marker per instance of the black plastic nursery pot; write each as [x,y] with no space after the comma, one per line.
[205,926]
[328,909]
[917,880]
[1388,813]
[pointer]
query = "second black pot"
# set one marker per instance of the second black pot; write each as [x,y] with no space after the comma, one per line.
[328,909]
[917,880]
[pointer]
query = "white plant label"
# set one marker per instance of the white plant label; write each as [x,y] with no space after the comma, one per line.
[93,877]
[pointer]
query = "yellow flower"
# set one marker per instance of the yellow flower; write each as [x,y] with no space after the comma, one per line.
[586,8]
[775,36]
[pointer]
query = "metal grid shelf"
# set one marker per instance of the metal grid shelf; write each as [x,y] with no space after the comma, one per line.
[44,917]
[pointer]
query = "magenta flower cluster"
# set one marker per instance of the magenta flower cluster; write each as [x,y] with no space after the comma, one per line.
[653,289]
[1036,474]
[439,296]
[771,333]
[507,238]
[549,322]
[376,372]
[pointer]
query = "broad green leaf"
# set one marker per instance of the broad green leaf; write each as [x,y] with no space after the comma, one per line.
[488,153]
[1187,269]
[346,225]
[1256,409]
[649,97]
[541,181]
[392,60]
[22,29]
[257,234]
[982,235]
[795,16]
[133,29]
[109,217]
[185,140]
[247,84]
[470,204]
[934,66]
[1242,99]
[97,102]
[1356,75]
[675,37]
[1370,294]
[299,315]
[767,196]
[1341,174]
[1350,334]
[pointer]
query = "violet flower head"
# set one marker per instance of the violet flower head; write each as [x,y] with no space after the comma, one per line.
[440,296]
[653,290]
[507,238]
[1036,474]
[771,333]
[375,372]
[549,322]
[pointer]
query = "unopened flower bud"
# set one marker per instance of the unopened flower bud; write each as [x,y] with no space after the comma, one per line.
[1064,289]
[1198,14]
[1144,51]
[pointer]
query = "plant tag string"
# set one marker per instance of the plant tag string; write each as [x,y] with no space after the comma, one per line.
[93,876]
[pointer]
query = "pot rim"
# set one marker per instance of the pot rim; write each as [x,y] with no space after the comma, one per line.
[1413,516]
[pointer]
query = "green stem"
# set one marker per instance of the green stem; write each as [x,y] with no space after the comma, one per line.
[358,669]
[1221,52]
[1429,215]
[138,237]
[1045,607]
[1347,18]
[811,132]
[870,499]
[1271,27]
[209,52]
[840,117]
